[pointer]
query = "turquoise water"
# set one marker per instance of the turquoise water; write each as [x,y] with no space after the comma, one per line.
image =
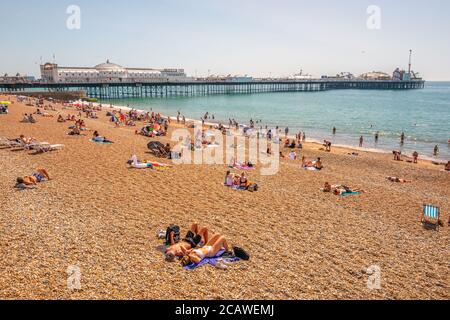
[424,115]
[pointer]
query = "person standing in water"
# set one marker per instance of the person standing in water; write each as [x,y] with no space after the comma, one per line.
[436,151]
[377,135]
[334,130]
[402,138]
[361,141]
[286,131]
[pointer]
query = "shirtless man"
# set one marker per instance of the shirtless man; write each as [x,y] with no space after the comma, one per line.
[194,237]
[39,176]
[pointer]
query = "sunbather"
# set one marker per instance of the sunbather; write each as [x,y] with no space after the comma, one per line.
[75,131]
[395,179]
[26,141]
[447,168]
[97,138]
[194,237]
[211,249]
[39,176]
[339,189]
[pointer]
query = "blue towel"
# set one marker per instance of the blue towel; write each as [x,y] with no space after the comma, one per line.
[101,142]
[350,194]
[212,261]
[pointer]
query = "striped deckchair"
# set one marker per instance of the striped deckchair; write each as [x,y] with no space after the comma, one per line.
[430,216]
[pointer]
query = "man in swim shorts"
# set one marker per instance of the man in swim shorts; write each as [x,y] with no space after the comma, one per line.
[39,176]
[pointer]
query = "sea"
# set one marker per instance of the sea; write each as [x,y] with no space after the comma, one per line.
[423,115]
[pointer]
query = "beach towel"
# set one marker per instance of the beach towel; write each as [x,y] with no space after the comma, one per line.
[245,168]
[101,142]
[310,168]
[212,261]
[346,194]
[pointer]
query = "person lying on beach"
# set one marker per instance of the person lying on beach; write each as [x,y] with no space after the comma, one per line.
[75,131]
[97,138]
[395,179]
[26,141]
[61,119]
[339,189]
[209,250]
[39,176]
[194,237]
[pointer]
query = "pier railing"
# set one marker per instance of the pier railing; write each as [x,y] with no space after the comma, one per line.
[118,90]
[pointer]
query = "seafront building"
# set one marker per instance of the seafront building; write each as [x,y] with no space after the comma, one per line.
[108,73]
[18,78]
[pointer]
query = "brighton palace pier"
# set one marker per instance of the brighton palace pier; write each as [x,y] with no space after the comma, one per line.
[112,81]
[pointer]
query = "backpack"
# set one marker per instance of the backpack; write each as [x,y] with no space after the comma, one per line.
[253,187]
[241,254]
[176,234]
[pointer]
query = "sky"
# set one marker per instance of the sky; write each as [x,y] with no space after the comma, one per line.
[260,38]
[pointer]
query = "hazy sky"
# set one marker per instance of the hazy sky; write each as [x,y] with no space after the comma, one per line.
[255,37]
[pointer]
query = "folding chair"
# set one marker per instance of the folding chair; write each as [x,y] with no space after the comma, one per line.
[430,216]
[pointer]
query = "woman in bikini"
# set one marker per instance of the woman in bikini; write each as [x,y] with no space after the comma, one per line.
[194,237]
[211,249]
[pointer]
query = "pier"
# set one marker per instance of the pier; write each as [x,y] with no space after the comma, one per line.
[119,90]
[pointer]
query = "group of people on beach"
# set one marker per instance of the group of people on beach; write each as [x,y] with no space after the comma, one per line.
[240,182]
[197,245]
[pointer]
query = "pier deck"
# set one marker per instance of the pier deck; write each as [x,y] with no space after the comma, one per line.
[118,90]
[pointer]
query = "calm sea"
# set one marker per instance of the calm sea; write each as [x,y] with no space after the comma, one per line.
[424,115]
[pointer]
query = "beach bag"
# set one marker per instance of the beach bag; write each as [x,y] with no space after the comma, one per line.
[176,234]
[241,253]
[253,187]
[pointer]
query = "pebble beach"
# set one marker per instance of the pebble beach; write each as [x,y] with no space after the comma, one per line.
[101,216]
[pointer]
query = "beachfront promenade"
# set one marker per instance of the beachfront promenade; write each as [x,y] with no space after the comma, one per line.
[118,90]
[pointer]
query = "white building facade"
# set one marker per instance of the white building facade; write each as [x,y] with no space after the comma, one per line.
[109,73]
